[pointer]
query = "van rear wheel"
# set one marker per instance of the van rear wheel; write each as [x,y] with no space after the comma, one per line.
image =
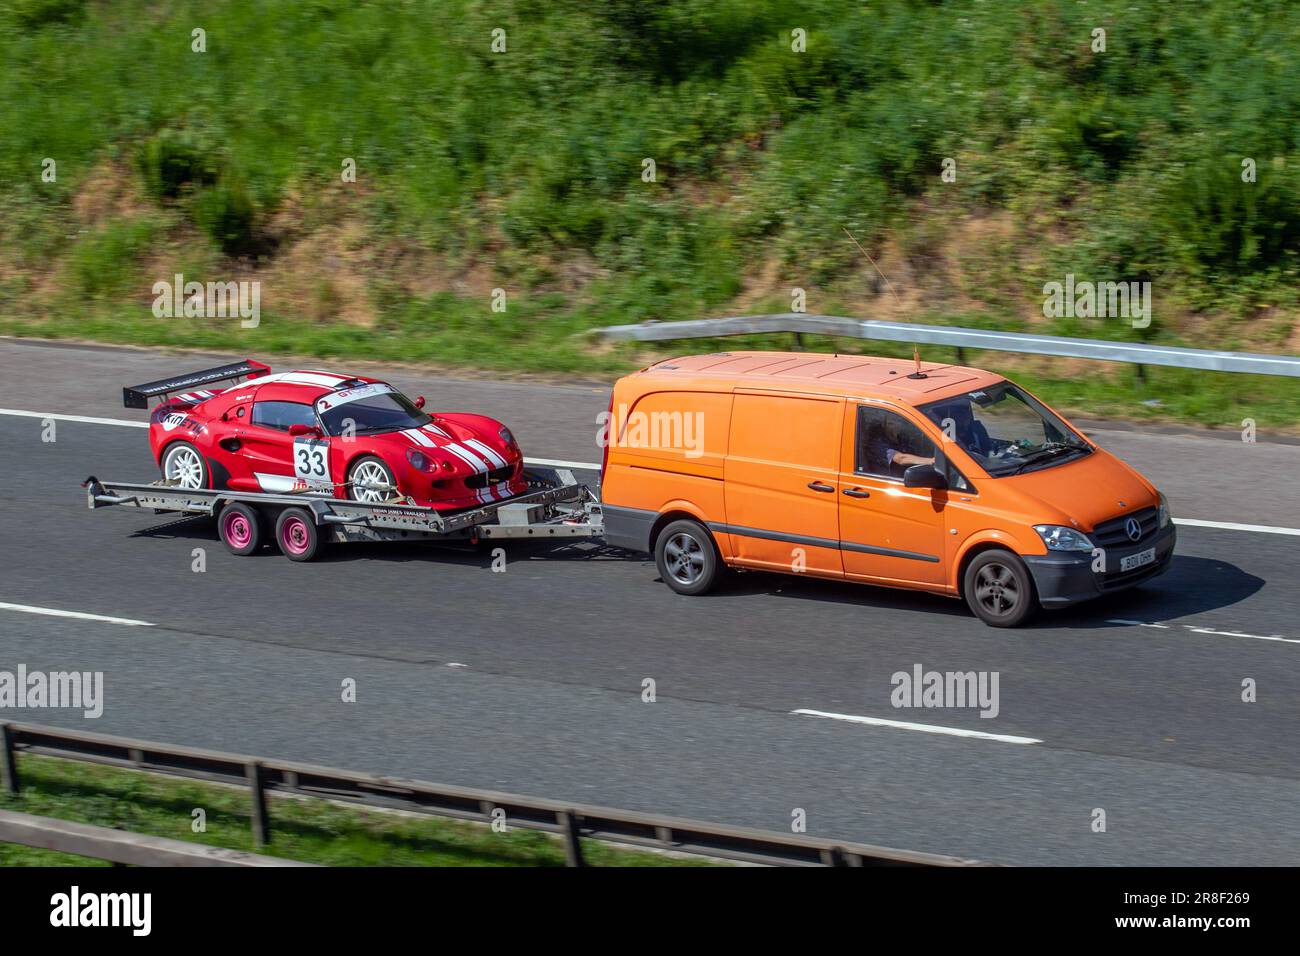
[999,589]
[687,558]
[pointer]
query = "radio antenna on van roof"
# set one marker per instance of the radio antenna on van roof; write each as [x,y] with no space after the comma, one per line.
[916,349]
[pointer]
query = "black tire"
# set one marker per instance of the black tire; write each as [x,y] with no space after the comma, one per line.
[194,465]
[297,534]
[376,465]
[241,528]
[999,589]
[687,557]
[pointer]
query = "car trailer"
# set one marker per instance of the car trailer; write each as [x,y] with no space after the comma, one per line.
[302,523]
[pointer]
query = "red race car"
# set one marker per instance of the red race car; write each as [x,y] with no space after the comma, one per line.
[348,436]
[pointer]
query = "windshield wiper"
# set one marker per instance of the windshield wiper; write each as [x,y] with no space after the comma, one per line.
[1048,451]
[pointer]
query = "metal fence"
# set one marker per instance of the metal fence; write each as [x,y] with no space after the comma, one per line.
[1136,353]
[572,822]
[121,847]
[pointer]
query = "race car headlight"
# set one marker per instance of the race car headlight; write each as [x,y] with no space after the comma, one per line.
[420,461]
[1058,538]
[1165,517]
[507,436]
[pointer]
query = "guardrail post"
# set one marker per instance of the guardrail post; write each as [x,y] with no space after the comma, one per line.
[8,767]
[255,774]
[798,342]
[572,845]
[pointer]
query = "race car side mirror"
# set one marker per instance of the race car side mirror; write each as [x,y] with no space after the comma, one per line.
[419,401]
[296,431]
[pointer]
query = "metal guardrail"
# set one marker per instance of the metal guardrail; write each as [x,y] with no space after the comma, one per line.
[799,323]
[571,821]
[118,846]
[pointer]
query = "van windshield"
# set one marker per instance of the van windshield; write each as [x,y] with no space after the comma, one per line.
[1006,430]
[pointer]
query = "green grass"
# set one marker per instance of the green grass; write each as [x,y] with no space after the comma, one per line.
[522,171]
[309,830]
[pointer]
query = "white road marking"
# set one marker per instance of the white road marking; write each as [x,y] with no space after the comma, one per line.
[552,463]
[1196,629]
[73,418]
[20,413]
[78,615]
[1230,526]
[926,728]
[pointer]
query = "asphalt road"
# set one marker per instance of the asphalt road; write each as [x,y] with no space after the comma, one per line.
[531,680]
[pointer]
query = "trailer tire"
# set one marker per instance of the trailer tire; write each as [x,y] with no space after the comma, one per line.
[297,534]
[241,528]
[687,557]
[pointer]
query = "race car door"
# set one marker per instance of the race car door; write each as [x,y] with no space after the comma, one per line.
[279,461]
[781,483]
[889,533]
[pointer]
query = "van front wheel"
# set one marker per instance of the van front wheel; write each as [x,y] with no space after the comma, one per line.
[687,558]
[998,588]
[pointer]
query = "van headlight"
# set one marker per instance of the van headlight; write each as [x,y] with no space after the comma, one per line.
[1058,538]
[1164,512]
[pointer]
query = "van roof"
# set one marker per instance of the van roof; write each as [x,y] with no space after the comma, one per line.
[863,375]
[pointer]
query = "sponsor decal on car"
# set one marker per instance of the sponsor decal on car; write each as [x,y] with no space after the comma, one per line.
[335,399]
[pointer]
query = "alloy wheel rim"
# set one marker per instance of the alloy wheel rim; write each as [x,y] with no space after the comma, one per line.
[997,590]
[366,474]
[684,558]
[183,466]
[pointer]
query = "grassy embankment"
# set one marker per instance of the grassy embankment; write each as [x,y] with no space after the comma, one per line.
[522,171]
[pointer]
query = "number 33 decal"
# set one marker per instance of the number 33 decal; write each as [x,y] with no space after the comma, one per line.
[311,460]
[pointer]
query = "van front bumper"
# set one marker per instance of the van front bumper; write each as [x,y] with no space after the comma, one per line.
[1067,577]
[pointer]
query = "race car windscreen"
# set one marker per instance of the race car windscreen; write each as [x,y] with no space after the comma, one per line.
[1006,430]
[385,412]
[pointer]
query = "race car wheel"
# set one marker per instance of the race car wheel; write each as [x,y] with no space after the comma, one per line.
[183,464]
[297,534]
[366,473]
[687,558]
[998,588]
[240,528]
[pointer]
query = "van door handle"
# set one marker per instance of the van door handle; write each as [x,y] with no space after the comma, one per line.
[857,493]
[818,486]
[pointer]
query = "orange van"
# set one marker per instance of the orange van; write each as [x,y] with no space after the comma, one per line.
[935,477]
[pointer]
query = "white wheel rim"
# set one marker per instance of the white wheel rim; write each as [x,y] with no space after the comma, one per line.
[183,467]
[365,475]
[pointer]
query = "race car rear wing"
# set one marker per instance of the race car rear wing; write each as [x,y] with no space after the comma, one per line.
[137,396]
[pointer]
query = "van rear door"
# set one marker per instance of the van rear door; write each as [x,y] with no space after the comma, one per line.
[781,481]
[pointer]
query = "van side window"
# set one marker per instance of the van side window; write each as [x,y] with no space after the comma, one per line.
[886,442]
[282,414]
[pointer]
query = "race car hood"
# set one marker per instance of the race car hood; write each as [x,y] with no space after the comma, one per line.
[1083,492]
[468,442]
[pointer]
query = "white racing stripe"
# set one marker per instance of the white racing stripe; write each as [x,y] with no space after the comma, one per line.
[419,437]
[925,728]
[477,446]
[78,615]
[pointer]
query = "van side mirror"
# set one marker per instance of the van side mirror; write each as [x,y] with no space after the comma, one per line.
[924,476]
[419,401]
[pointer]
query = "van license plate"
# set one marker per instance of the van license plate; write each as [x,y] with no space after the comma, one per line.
[1141,559]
